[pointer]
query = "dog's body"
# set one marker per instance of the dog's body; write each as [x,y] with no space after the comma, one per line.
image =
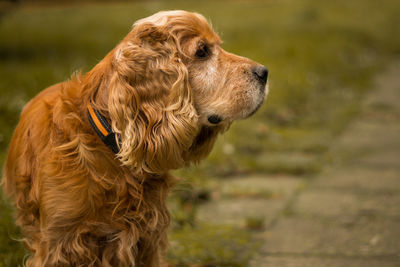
[167,90]
[75,202]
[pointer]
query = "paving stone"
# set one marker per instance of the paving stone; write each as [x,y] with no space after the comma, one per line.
[383,206]
[387,159]
[373,180]
[274,186]
[362,236]
[365,135]
[345,205]
[326,204]
[389,85]
[236,211]
[255,197]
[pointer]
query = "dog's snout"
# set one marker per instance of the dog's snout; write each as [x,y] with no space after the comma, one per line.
[261,73]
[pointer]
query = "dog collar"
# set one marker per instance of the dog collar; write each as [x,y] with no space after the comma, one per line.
[103,129]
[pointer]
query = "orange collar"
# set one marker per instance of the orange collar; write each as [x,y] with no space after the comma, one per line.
[103,129]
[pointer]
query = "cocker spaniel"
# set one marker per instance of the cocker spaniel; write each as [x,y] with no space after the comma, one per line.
[88,163]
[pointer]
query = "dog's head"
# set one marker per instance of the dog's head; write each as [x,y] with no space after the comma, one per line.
[172,89]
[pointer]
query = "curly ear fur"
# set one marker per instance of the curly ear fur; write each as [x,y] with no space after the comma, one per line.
[150,101]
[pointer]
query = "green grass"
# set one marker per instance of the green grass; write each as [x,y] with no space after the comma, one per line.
[321,55]
[11,250]
[211,245]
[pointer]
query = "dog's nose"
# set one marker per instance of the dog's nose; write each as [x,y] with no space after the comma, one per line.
[261,73]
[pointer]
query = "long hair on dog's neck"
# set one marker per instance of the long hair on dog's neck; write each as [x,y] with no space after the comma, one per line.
[142,86]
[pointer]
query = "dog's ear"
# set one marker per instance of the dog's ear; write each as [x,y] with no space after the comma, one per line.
[150,101]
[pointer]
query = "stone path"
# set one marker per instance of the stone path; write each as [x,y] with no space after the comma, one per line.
[349,215]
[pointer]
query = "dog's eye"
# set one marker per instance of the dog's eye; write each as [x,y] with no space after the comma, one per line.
[203,51]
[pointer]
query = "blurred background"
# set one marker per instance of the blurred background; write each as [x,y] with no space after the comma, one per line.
[323,57]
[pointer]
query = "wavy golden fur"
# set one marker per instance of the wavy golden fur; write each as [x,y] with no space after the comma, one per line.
[167,89]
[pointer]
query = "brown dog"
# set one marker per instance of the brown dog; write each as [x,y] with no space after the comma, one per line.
[87,166]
